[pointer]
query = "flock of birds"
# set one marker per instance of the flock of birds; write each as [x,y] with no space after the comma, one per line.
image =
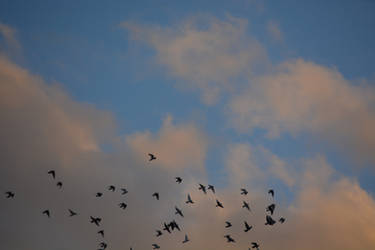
[172,225]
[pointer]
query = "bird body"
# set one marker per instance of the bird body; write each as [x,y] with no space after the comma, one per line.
[178,180]
[271,208]
[229,238]
[271,192]
[59,184]
[178,211]
[99,194]
[186,239]
[246,205]
[189,200]
[72,213]
[219,204]
[52,173]
[9,194]
[244,191]
[158,233]
[101,232]
[152,157]
[203,188]
[122,205]
[212,188]
[282,220]
[155,246]
[124,191]
[112,188]
[247,227]
[228,224]
[156,195]
[269,221]
[46,212]
[96,221]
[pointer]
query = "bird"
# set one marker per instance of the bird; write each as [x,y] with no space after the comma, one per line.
[96,221]
[203,188]
[282,220]
[247,227]
[186,239]
[166,228]
[9,194]
[173,224]
[122,205]
[244,191]
[246,205]
[158,233]
[271,192]
[72,213]
[178,211]
[255,245]
[189,200]
[46,212]
[59,184]
[229,238]
[101,232]
[156,195]
[99,194]
[155,246]
[269,221]
[212,188]
[124,191]
[178,180]
[219,204]
[52,172]
[228,224]
[271,208]
[152,157]
[103,245]
[112,188]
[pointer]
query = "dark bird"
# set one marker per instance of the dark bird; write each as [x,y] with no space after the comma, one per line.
[59,184]
[244,191]
[101,232]
[166,228]
[282,220]
[219,204]
[152,157]
[103,245]
[122,205]
[112,188]
[124,191]
[189,200]
[174,225]
[212,188]
[99,194]
[46,212]
[9,194]
[269,221]
[156,195]
[255,245]
[96,221]
[203,188]
[229,239]
[228,224]
[178,211]
[72,213]
[178,180]
[186,239]
[247,227]
[52,172]
[158,233]
[246,205]
[271,208]
[271,192]
[155,246]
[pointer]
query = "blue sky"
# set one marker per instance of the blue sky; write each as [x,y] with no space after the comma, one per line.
[86,49]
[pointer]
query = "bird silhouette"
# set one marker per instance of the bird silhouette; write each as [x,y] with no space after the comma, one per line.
[271,208]
[246,205]
[212,188]
[99,194]
[255,245]
[178,211]
[59,184]
[228,224]
[103,245]
[156,195]
[229,238]
[244,191]
[158,233]
[72,213]
[46,212]
[124,191]
[189,200]
[96,221]
[122,205]
[219,204]
[282,220]
[112,188]
[269,221]
[155,246]
[173,224]
[166,228]
[9,194]
[101,232]
[203,188]
[52,172]
[178,180]
[186,239]
[271,192]
[152,157]
[247,227]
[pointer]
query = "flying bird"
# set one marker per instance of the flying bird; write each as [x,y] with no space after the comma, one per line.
[96,221]
[112,188]
[219,204]
[122,205]
[155,246]
[9,194]
[271,208]
[46,212]
[174,225]
[269,221]
[59,184]
[101,232]
[247,227]
[178,211]
[156,195]
[212,188]
[178,180]
[189,200]
[255,245]
[282,220]
[271,192]
[186,239]
[158,233]
[152,157]
[166,228]
[228,224]
[203,188]
[244,191]
[229,238]
[103,245]
[124,191]
[246,205]
[72,213]
[52,172]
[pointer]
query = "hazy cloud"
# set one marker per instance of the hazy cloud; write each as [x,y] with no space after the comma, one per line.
[273,29]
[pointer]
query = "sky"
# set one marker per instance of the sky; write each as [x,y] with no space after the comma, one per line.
[249,94]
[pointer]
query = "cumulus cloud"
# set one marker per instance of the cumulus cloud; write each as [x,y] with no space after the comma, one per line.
[206,52]
[301,96]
